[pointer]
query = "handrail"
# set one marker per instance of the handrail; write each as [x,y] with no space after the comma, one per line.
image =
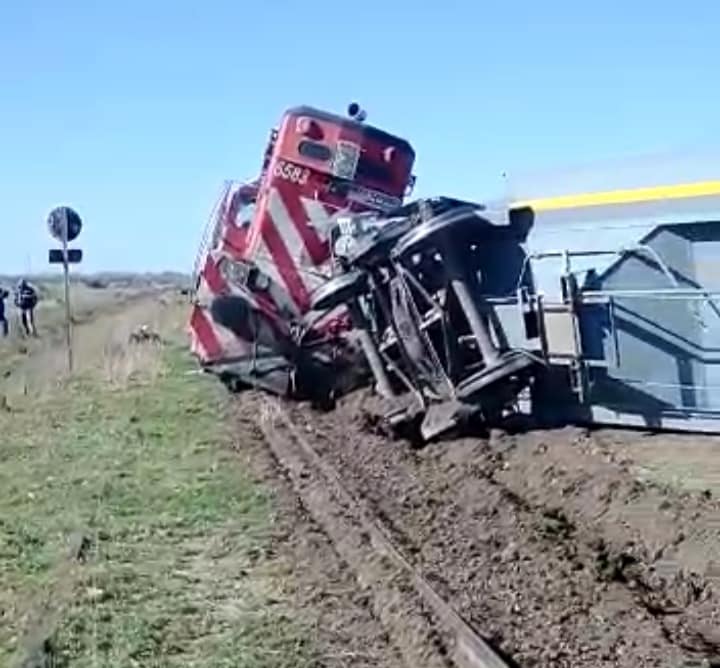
[214,219]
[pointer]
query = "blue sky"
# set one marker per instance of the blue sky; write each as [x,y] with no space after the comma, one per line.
[134,112]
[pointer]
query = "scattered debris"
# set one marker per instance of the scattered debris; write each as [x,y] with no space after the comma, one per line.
[80,546]
[144,334]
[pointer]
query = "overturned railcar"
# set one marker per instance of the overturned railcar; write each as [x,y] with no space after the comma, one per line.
[619,291]
[600,307]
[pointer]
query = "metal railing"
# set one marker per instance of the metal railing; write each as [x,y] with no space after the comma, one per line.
[210,231]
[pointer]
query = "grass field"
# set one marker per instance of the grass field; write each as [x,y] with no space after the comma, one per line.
[50,319]
[130,535]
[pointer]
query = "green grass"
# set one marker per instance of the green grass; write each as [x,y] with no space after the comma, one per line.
[176,571]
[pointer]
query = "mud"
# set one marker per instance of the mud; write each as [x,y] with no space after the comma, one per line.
[547,541]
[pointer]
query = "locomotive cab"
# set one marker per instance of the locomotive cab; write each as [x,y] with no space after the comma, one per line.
[343,160]
[316,166]
[320,164]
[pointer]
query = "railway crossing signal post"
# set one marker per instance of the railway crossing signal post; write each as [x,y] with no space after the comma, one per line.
[65,226]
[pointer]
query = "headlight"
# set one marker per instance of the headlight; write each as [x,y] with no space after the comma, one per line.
[345,161]
[234,273]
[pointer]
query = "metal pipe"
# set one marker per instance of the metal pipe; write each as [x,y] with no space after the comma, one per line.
[372,354]
[695,295]
[454,267]
[477,326]
[570,253]
[567,254]
[376,365]
[699,295]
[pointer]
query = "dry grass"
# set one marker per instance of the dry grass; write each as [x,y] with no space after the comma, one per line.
[124,364]
[129,533]
[99,340]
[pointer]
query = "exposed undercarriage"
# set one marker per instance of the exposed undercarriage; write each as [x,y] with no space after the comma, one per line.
[410,286]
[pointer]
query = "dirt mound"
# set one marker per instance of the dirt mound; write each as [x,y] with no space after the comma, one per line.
[547,541]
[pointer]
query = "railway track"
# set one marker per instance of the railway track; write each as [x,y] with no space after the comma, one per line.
[425,627]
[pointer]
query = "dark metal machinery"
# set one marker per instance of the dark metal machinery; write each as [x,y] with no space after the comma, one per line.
[414,290]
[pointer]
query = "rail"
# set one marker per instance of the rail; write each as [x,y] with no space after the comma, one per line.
[470,649]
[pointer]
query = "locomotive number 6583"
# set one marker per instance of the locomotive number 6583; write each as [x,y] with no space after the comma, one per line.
[290,172]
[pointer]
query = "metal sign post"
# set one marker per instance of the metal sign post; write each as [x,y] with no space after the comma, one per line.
[65,225]
[66,277]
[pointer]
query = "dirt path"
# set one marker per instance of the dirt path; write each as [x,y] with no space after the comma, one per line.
[323,585]
[548,542]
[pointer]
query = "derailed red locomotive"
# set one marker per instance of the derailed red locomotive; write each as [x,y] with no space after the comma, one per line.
[268,248]
[316,277]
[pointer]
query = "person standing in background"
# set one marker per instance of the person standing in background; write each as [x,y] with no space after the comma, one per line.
[4,329]
[26,300]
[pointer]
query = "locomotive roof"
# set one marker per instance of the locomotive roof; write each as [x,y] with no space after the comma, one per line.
[369,131]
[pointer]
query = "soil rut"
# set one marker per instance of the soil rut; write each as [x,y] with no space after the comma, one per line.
[547,544]
[322,584]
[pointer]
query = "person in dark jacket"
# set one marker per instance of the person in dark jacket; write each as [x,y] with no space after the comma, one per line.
[4,294]
[26,300]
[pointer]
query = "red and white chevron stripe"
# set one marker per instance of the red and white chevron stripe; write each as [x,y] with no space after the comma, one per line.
[211,342]
[288,240]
